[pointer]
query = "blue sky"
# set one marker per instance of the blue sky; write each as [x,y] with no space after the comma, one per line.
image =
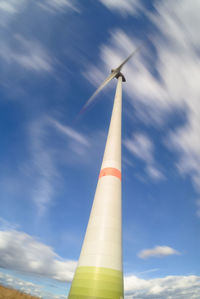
[53,54]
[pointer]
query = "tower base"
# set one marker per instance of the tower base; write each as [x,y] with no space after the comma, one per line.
[97,283]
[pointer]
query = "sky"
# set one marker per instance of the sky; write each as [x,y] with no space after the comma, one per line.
[53,55]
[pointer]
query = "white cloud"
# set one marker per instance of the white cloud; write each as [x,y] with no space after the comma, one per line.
[179,68]
[9,9]
[46,156]
[43,166]
[27,287]
[128,7]
[5,6]
[71,133]
[186,141]
[176,84]
[22,252]
[154,173]
[30,55]
[6,225]
[167,287]
[11,6]
[142,147]
[55,5]
[198,207]
[21,285]
[16,6]
[157,251]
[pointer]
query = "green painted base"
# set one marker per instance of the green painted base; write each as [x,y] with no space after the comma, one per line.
[97,283]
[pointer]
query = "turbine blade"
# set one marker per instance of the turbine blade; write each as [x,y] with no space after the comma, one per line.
[107,80]
[127,59]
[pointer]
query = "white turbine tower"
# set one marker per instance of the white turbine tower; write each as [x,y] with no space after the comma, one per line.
[99,273]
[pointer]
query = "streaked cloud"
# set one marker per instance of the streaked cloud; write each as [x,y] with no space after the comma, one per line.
[43,166]
[71,133]
[22,252]
[59,5]
[128,7]
[11,6]
[157,251]
[198,207]
[179,68]
[6,225]
[15,6]
[29,54]
[142,147]
[154,173]
[45,156]
[153,97]
[19,284]
[166,287]
[176,85]
[10,10]
[7,7]
[27,287]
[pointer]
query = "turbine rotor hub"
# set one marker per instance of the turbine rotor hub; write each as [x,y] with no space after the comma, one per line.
[120,75]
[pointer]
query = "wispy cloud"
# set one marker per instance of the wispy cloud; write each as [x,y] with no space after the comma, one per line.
[166,287]
[128,7]
[43,166]
[198,207]
[6,225]
[43,147]
[7,7]
[13,6]
[27,287]
[176,85]
[59,5]
[157,251]
[10,10]
[179,68]
[154,173]
[71,133]
[29,54]
[22,252]
[142,147]
[149,271]
[19,284]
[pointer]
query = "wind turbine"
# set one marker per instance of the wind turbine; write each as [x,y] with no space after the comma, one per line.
[99,273]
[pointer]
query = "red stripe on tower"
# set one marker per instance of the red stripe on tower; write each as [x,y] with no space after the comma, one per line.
[110,171]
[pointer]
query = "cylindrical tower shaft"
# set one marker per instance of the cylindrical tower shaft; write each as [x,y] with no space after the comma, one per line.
[99,272]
